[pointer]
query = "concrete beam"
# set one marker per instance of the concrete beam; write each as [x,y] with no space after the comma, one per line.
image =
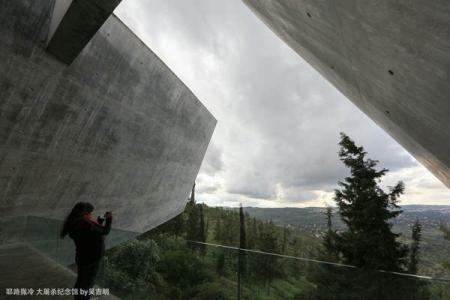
[74,23]
[390,58]
[59,10]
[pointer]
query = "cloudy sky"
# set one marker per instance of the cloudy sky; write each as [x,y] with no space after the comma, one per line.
[275,143]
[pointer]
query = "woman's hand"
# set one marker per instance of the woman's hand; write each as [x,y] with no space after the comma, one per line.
[108,215]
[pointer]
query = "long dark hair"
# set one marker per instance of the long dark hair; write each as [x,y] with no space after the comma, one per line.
[77,214]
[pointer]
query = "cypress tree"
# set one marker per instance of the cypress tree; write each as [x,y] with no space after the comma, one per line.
[201,232]
[193,220]
[415,247]
[329,238]
[443,227]
[418,288]
[284,243]
[193,193]
[242,258]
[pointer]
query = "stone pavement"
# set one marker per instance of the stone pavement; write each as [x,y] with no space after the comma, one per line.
[21,266]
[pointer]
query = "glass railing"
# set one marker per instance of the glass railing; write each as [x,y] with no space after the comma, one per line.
[43,235]
[172,268]
[168,267]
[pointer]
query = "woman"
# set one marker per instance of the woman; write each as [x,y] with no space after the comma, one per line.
[88,236]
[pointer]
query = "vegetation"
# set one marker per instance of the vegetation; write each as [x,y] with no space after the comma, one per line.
[415,247]
[367,242]
[242,255]
[173,262]
[434,249]
[186,272]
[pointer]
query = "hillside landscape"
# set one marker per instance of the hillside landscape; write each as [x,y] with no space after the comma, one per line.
[177,266]
[434,248]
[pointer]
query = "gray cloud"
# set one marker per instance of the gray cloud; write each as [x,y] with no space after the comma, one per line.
[205,189]
[212,162]
[279,120]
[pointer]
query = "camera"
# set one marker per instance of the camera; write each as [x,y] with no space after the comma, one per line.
[101,219]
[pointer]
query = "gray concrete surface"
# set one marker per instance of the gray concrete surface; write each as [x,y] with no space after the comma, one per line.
[80,22]
[390,58]
[59,10]
[24,267]
[116,127]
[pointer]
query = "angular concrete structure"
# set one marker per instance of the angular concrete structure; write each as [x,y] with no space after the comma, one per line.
[390,58]
[109,123]
[74,23]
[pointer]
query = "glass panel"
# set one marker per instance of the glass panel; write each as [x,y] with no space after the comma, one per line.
[12,229]
[42,234]
[162,266]
[177,269]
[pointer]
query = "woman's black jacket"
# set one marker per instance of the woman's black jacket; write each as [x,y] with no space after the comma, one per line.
[89,240]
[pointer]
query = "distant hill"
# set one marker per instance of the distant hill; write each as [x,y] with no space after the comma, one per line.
[434,249]
[313,218]
[309,218]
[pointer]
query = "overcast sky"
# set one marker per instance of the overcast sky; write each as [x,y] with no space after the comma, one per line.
[275,143]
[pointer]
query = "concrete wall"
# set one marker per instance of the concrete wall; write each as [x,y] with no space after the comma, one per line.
[81,20]
[390,58]
[59,10]
[116,127]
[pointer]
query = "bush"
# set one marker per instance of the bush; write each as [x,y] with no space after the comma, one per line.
[214,291]
[131,267]
[183,269]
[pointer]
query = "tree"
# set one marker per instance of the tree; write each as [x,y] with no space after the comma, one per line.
[132,268]
[191,201]
[418,287]
[201,232]
[193,193]
[329,217]
[366,209]
[177,225]
[252,237]
[267,265]
[218,226]
[183,270]
[329,238]
[444,228]
[368,241]
[242,258]
[328,279]
[446,231]
[284,243]
[220,263]
[415,247]
[193,220]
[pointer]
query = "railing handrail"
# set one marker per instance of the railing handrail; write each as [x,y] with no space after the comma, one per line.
[320,261]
